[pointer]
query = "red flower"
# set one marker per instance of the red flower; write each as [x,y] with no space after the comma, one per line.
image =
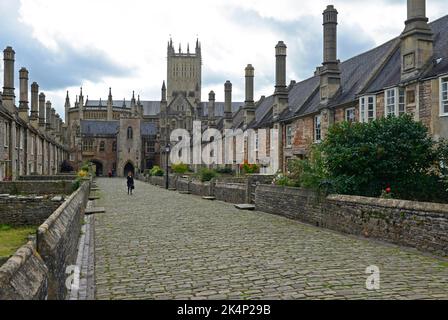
[388,190]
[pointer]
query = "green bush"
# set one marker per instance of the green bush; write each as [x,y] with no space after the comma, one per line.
[180,168]
[76,184]
[397,152]
[156,171]
[225,170]
[206,174]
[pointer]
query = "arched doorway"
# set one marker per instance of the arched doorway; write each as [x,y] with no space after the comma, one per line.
[99,168]
[128,168]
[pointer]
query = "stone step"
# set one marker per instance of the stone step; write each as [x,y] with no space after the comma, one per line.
[209,198]
[172,189]
[184,192]
[95,210]
[249,207]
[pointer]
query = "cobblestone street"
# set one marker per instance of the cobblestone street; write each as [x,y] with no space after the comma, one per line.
[160,244]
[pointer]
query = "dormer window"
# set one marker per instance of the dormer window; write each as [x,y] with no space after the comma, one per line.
[444,96]
[367,108]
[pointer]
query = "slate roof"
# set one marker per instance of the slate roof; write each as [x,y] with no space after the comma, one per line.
[148,129]
[99,128]
[219,108]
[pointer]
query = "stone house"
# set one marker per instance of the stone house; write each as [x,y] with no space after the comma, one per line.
[32,142]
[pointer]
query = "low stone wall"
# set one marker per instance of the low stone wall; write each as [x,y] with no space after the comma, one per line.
[157,181]
[58,177]
[24,276]
[57,239]
[36,187]
[18,211]
[419,225]
[230,192]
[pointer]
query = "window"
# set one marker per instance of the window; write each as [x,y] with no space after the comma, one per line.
[130,133]
[444,96]
[350,115]
[317,129]
[6,137]
[289,136]
[367,108]
[395,102]
[87,145]
[102,146]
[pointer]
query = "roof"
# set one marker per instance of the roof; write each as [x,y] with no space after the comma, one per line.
[148,129]
[100,128]
[219,108]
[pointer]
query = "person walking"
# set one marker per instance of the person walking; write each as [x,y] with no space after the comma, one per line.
[130,183]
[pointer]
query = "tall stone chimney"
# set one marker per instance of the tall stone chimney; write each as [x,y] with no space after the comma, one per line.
[23,103]
[281,91]
[48,116]
[8,95]
[34,117]
[330,74]
[417,47]
[249,105]
[53,120]
[211,109]
[110,106]
[42,110]
[228,105]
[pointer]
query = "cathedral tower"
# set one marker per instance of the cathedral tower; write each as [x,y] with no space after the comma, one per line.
[184,74]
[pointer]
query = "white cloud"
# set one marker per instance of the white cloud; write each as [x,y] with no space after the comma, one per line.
[134,34]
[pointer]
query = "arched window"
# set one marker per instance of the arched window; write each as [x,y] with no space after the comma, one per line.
[130,133]
[102,146]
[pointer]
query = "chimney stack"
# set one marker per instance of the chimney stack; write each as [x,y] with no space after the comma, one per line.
[53,120]
[330,75]
[228,100]
[48,116]
[23,103]
[417,46]
[8,95]
[211,109]
[42,110]
[249,106]
[34,117]
[281,92]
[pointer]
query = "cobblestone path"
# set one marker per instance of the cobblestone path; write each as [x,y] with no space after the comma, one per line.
[160,244]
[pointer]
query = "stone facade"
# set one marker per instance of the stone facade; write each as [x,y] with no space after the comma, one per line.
[25,147]
[420,225]
[63,187]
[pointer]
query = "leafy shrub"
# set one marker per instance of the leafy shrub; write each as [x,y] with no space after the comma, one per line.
[76,184]
[247,168]
[180,168]
[156,171]
[225,170]
[397,152]
[206,174]
[285,181]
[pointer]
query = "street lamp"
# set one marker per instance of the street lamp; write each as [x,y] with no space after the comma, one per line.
[167,179]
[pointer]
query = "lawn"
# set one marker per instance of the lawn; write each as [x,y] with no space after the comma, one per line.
[12,239]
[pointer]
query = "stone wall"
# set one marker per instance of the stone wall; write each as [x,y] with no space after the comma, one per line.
[58,177]
[419,225]
[18,211]
[57,239]
[36,187]
[230,192]
[24,276]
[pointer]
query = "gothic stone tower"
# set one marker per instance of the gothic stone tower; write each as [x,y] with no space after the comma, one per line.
[184,74]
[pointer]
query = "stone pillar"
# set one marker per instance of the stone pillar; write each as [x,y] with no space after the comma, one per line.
[34,117]
[8,95]
[417,43]
[211,109]
[249,106]
[42,110]
[330,76]
[23,103]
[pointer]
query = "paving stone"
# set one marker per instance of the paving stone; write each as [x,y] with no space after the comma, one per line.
[164,245]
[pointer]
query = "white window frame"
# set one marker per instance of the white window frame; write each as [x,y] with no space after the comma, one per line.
[318,128]
[364,108]
[397,107]
[346,114]
[6,137]
[401,109]
[289,135]
[444,100]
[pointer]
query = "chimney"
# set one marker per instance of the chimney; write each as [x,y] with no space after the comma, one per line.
[34,117]
[417,46]
[330,74]
[228,100]
[8,95]
[249,106]
[48,116]
[53,120]
[211,109]
[281,92]
[42,110]
[23,103]
[110,106]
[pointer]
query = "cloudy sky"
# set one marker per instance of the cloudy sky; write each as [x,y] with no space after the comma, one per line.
[99,44]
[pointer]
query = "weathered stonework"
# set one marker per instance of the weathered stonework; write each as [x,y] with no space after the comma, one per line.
[36,187]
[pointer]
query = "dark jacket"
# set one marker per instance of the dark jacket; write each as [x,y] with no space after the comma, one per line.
[130,181]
